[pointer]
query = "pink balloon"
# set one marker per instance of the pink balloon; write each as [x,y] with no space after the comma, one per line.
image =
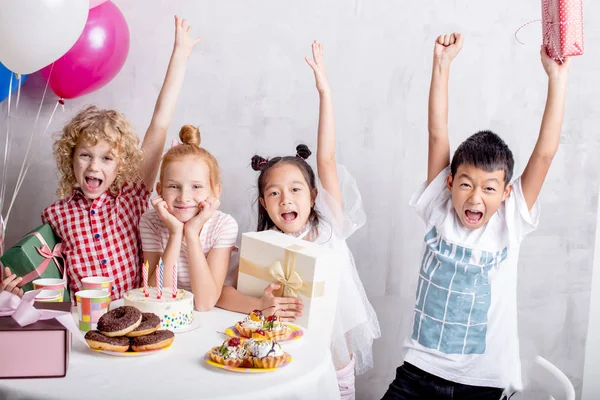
[97,56]
[95,3]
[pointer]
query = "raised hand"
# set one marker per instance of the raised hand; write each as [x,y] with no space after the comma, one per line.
[318,66]
[154,141]
[183,38]
[207,208]
[162,208]
[447,47]
[555,69]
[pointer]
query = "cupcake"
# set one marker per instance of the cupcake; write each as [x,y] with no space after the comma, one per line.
[231,353]
[265,353]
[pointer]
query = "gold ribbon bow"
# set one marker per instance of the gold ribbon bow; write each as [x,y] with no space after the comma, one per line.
[285,275]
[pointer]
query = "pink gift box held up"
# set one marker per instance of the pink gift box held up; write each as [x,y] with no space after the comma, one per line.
[562,28]
[39,350]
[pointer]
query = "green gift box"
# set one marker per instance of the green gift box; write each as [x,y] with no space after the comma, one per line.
[36,255]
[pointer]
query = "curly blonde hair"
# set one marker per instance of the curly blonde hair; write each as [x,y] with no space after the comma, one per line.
[190,139]
[91,125]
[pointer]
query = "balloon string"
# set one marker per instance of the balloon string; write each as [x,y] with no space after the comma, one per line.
[18,188]
[18,91]
[22,174]
[29,159]
[6,147]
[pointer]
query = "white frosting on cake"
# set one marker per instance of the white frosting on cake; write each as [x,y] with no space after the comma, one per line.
[175,313]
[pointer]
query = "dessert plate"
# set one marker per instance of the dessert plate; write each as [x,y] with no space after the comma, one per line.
[296,333]
[132,353]
[245,370]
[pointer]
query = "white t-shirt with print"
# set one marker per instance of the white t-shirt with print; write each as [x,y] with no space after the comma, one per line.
[465,317]
[220,231]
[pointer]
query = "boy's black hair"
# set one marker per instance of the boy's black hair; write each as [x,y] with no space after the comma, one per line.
[487,151]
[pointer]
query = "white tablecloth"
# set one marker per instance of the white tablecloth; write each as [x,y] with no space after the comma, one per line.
[180,372]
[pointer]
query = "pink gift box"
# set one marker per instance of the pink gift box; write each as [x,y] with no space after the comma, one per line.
[562,25]
[39,350]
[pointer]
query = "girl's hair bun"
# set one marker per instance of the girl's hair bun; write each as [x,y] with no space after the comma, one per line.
[258,163]
[303,151]
[189,134]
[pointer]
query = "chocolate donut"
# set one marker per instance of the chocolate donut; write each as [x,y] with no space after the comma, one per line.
[150,323]
[120,321]
[153,341]
[98,341]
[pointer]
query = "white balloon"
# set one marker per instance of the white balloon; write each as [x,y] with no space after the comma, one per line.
[35,33]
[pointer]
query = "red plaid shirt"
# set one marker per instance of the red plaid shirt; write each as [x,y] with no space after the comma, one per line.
[101,236]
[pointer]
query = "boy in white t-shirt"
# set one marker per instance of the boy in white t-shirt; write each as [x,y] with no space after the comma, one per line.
[464,342]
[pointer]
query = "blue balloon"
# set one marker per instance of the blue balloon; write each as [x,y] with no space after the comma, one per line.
[5,75]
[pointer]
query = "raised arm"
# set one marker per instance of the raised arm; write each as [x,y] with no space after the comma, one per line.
[445,49]
[547,144]
[154,140]
[326,164]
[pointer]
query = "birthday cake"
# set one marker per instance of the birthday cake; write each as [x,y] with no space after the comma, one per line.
[175,313]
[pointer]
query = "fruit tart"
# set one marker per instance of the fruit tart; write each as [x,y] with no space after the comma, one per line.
[265,353]
[272,326]
[252,322]
[231,353]
[274,329]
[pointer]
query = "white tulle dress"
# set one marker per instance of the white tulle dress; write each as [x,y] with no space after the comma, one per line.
[355,325]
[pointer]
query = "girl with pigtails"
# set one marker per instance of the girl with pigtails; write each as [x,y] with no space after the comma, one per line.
[325,209]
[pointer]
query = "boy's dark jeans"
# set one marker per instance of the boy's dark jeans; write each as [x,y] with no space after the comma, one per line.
[412,383]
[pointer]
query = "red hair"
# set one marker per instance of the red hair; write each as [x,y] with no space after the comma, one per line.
[190,137]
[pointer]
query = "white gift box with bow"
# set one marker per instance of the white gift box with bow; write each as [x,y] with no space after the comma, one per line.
[304,270]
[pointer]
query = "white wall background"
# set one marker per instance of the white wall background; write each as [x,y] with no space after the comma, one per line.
[250,91]
[591,373]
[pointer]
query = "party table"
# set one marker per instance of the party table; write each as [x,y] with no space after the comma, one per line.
[181,372]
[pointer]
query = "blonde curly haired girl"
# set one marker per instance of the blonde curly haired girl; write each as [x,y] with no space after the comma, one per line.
[91,126]
[106,181]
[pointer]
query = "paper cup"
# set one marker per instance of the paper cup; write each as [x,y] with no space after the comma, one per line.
[50,284]
[98,283]
[52,296]
[91,305]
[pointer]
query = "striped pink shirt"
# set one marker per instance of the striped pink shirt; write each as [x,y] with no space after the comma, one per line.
[220,231]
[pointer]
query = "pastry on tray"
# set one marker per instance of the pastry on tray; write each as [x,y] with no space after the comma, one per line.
[231,353]
[272,326]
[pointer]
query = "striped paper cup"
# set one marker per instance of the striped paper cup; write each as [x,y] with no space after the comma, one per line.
[52,296]
[50,284]
[98,283]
